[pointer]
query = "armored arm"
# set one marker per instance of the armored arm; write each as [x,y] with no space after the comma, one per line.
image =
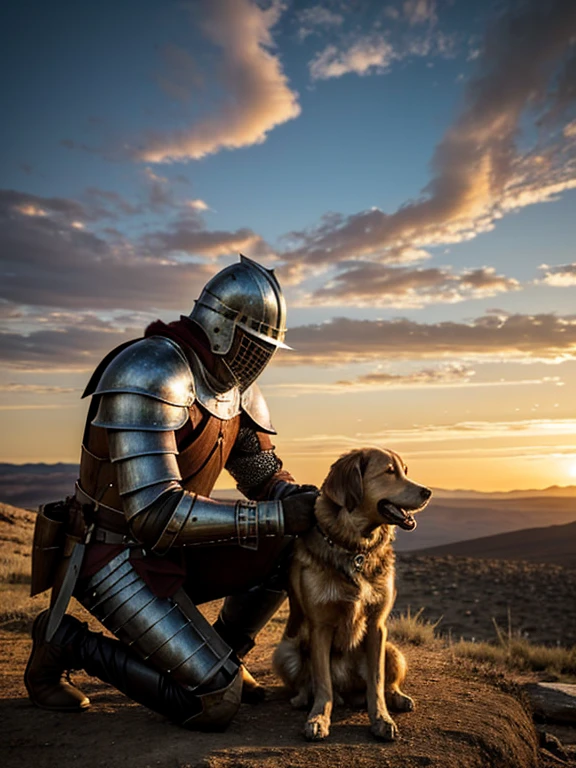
[144,397]
[253,461]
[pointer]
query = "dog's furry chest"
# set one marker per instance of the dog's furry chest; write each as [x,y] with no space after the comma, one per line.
[330,584]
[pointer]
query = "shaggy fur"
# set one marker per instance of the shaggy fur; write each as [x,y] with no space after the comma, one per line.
[335,638]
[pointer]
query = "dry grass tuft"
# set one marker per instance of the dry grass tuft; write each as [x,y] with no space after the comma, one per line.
[408,628]
[509,651]
[520,655]
[14,568]
[17,608]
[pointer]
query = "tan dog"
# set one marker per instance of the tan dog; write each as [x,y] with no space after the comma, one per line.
[342,590]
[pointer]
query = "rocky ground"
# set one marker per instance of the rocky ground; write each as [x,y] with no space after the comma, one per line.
[466,596]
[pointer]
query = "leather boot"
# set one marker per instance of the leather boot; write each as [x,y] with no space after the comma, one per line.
[241,618]
[47,677]
[210,707]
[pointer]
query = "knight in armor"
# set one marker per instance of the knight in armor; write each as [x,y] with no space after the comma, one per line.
[143,543]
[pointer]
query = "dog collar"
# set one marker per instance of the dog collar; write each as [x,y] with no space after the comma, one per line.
[358,557]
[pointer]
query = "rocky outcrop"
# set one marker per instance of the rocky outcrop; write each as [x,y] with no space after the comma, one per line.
[553,702]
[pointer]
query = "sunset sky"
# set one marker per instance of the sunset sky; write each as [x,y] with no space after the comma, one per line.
[407,167]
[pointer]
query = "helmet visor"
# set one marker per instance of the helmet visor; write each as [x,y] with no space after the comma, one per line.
[248,358]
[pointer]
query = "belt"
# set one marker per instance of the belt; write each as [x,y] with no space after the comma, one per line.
[104,536]
[107,520]
[97,530]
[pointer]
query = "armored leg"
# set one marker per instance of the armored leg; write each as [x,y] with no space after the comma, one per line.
[112,662]
[243,615]
[176,641]
[167,655]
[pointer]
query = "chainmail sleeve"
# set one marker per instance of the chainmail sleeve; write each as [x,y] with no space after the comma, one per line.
[256,468]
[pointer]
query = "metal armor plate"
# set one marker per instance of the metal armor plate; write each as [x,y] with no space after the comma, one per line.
[123,410]
[255,406]
[155,367]
[183,645]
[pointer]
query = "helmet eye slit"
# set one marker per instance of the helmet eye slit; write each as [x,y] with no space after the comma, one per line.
[250,359]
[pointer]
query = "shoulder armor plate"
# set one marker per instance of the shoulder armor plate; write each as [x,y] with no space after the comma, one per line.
[255,406]
[125,410]
[155,367]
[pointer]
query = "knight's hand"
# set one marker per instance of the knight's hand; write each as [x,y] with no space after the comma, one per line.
[299,512]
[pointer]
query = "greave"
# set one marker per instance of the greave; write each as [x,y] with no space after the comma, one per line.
[112,662]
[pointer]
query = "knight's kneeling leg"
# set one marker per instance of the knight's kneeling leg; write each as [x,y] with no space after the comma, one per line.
[168,657]
[244,615]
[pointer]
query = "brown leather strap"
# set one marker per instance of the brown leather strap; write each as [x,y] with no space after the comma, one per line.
[103,516]
[102,536]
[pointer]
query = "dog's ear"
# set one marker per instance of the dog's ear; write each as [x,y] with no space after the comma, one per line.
[344,484]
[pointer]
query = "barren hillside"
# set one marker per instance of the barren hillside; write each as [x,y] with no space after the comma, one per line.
[552,544]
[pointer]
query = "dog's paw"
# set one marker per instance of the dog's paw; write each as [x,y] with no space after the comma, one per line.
[317,728]
[399,702]
[384,729]
[300,701]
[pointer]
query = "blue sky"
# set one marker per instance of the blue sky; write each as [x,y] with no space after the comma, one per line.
[406,162]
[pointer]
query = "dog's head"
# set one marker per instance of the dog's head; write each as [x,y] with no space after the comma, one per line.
[375,482]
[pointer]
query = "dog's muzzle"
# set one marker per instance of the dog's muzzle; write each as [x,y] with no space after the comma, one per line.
[403,518]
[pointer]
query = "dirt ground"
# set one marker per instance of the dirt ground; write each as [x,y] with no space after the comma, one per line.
[467,595]
[461,721]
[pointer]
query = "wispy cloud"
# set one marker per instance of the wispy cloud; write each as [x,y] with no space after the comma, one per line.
[35,389]
[186,236]
[66,344]
[373,52]
[366,55]
[435,433]
[259,97]
[49,261]
[528,439]
[78,341]
[546,337]
[480,174]
[198,205]
[370,284]
[420,11]
[317,18]
[449,376]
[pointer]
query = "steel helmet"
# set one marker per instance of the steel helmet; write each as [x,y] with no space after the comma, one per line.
[243,314]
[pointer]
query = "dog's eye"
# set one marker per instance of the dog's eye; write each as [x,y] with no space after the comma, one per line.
[390,470]
[405,470]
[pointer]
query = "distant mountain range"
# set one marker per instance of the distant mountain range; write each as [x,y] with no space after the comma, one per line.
[448,520]
[552,544]
[29,485]
[451,516]
[553,490]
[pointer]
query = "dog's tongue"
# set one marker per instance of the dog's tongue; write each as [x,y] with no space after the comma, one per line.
[396,516]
